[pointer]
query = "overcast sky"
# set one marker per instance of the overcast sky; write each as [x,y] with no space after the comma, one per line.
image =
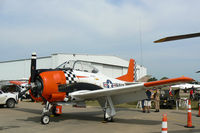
[111,27]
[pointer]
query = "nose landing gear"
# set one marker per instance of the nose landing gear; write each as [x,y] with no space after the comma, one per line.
[45,119]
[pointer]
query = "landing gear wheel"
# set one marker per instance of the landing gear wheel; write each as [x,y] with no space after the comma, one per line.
[45,119]
[54,111]
[10,103]
[109,119]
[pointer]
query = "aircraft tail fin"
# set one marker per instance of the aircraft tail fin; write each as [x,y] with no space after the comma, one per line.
[131,74]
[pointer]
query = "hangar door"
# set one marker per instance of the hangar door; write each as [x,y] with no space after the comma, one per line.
[112,71]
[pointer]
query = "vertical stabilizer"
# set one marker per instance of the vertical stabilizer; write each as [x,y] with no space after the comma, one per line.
[131,74]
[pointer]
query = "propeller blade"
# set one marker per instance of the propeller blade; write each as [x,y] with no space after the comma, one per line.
[33,67]
[28,87]
[173,38]
[198,72]
[22,93]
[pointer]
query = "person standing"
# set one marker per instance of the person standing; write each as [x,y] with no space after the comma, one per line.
[143,107]
[191,94]
[170,91]
[157,100]
[148,101]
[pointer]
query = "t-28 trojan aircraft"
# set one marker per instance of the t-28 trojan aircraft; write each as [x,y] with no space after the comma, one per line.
[76,82]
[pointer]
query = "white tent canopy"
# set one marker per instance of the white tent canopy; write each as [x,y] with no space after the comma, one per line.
[186,86]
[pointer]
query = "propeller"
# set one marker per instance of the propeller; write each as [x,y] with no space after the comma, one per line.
[198,72]
[35,84]
[178,37]
[33,67]
[33,75]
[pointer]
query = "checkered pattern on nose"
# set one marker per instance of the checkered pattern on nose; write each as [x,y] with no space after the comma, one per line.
[70,77]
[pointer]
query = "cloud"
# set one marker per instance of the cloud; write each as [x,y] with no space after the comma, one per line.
[67,20]
[101,27]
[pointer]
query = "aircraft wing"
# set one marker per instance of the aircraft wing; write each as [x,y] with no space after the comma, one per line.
[128,93]
[173,38]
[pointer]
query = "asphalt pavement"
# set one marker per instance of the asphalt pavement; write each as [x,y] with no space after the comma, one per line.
[25,118]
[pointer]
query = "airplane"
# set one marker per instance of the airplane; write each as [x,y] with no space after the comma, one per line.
[177,37]
[74,82]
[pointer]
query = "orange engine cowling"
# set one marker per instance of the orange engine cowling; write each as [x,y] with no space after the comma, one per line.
[48,86]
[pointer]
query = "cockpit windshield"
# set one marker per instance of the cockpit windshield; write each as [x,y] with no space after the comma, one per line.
[67,65]
[79,66]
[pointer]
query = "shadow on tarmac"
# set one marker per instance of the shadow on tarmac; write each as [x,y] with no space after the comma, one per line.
[33,111]
[8,127]
[85,116]
[128,109]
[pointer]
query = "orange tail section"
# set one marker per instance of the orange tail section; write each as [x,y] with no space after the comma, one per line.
[131,74]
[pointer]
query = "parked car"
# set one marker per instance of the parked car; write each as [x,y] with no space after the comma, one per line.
[17,89]
[8,99]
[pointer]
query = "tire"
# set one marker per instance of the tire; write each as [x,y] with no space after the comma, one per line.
[10,103]
[109,119]
[45,119]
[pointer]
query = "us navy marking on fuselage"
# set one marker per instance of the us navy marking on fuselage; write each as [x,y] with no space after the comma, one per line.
[109,84]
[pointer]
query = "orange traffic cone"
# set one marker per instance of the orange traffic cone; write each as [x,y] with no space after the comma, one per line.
[164,123]
[189,118]
[199,111]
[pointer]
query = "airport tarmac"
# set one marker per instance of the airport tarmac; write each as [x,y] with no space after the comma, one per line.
[25,118]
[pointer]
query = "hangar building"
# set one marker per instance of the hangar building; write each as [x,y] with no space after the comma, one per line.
[111,66]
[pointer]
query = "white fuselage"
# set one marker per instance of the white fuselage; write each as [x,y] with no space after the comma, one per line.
[98,79]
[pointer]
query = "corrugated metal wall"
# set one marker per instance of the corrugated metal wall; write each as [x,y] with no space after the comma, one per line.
[109,65]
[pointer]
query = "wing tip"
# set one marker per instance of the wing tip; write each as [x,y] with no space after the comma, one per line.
[160,40]
[174,80]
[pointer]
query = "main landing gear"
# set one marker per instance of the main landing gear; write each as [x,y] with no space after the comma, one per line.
[109,110]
